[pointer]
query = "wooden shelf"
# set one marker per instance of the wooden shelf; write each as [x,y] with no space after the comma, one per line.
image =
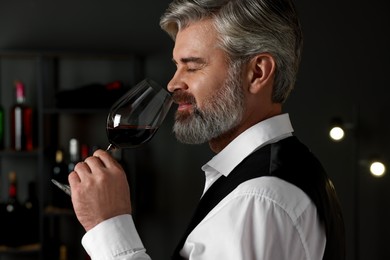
[9,152]
[54,211]
[25,249]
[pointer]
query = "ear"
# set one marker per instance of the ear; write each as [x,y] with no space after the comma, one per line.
[261,72]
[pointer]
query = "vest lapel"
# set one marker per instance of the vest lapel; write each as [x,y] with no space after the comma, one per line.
[252,166]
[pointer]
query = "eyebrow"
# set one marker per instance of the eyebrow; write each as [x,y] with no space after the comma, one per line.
[191,60]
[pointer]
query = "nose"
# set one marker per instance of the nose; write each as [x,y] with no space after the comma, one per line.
[176,83]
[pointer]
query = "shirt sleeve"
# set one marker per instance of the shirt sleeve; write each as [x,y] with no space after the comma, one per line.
[116,239]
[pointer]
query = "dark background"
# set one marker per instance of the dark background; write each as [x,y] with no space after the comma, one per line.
[344,73]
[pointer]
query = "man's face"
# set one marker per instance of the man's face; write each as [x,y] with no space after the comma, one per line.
[207,91]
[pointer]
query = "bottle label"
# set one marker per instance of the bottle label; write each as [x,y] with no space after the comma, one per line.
[18,128]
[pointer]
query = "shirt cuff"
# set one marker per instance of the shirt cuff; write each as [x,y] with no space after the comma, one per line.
[112,238]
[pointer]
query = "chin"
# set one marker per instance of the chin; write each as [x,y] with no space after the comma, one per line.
[183,115]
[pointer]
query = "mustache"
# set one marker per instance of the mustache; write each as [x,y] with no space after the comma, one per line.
[180,96]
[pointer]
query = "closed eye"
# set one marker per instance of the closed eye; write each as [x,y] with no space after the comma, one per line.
[193,69]
[192,64]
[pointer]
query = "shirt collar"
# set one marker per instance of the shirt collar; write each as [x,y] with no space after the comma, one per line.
[268,131]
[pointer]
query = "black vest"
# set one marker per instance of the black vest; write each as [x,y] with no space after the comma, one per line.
[291,161]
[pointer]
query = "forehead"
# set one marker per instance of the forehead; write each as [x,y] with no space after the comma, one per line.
[198,38]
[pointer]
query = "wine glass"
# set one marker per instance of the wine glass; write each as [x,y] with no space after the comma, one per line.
[134,118]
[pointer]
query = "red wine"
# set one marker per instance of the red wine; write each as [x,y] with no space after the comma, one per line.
[128,136]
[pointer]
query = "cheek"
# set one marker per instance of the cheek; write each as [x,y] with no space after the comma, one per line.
[206,90]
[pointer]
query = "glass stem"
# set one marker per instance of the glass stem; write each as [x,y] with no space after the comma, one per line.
[110,147]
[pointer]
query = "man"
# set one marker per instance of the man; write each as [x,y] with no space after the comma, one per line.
[266,196]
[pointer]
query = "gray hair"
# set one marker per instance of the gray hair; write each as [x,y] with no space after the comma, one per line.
[247,28]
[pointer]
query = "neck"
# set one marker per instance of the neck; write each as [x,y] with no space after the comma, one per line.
[219,143]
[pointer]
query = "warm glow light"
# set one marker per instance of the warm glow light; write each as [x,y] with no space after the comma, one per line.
[377,169]
[336,133]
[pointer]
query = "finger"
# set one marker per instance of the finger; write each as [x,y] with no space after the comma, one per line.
[106,158]
[83,171]
[82,168]
[95,164]
[73,178]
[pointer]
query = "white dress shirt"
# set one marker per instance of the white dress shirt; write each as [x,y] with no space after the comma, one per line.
[264,218]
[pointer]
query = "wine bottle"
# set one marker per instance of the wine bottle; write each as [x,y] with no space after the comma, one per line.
[12,203]
[13,214]
[21,121]
[1,128]
[60,169]
[3,223]
[84,151]
[74,158]
[31,216]
[63,253]
[59,173]
[74,153]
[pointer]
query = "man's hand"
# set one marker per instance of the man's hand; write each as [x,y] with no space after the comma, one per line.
[99,189]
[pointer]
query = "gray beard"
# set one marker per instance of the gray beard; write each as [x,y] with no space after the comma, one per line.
[222,112]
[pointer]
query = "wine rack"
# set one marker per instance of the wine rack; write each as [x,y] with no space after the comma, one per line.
[45,75]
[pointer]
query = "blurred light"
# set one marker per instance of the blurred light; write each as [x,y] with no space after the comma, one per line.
[377,169]
[338,129]
[336,133]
